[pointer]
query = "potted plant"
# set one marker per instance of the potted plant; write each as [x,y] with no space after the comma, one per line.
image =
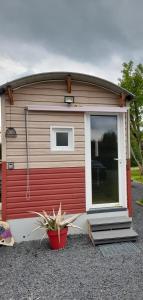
[56,227]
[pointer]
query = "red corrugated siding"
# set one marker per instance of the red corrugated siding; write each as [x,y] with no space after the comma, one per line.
[3,189]
[48,187]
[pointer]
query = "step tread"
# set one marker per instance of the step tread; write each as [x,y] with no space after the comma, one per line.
[114,220]
[114,234]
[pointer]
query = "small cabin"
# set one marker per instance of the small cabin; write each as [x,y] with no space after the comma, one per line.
[65,139]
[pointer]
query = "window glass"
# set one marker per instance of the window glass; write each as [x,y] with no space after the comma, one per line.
[61,138]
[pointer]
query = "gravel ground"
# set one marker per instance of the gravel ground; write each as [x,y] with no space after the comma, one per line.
[32,271]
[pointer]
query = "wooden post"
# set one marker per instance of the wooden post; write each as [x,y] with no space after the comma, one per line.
[68,82]
[9,93]
[122,100]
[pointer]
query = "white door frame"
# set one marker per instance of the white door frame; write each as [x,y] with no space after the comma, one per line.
[121,162]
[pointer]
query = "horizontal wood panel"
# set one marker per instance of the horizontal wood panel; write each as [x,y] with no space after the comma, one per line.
[36,145]
[65,185]
[44,126]
[41,203]
[43,151]
[47,117]
[39,138]
[46,172]
[43,182]
[44,178]
[46,187]
[23,165]
[49,192]
[43,131]
[55,92]
[48,83]
[21,105]
[24,100]
[46,198]
[18,215]
[45,207]
[61,85]
[47,158]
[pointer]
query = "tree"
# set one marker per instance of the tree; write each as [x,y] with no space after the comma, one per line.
[132,80]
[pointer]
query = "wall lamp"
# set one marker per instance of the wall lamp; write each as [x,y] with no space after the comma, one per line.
[69,99]
[11,132]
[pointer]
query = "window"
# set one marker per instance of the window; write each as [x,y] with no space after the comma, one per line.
[62,138]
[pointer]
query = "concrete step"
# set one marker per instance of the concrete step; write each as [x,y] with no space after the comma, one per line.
[114,236]
[99,224]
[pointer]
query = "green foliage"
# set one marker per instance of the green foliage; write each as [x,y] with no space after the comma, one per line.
[136,151]
[55,222]
[135,175]
[140,202]
[132,80]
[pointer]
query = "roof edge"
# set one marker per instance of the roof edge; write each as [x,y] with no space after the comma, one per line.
[35,78]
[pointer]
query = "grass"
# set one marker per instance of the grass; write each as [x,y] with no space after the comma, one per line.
[135,175]
[140,202]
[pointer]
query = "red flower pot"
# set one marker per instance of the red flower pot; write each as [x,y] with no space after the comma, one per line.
[54,239]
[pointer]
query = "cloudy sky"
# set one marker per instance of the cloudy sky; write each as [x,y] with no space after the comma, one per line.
[89,36]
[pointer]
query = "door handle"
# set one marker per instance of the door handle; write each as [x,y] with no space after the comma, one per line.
[118,159]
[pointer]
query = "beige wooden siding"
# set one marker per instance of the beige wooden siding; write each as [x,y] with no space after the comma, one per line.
[50,93]
[40,153]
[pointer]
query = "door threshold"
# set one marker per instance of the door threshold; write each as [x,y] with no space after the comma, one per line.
[104,210]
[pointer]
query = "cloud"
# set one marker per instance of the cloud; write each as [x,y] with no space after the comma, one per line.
[11,69]
[79,35]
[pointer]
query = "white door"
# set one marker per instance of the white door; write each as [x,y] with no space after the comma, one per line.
[105,160]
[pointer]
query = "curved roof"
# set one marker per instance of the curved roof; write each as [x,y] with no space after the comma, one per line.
[54,76]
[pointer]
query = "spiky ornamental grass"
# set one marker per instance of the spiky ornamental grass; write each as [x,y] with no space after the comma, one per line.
[55,222]
[140,202]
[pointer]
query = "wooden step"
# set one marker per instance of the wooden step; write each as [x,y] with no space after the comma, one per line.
[114,236]
[109,223]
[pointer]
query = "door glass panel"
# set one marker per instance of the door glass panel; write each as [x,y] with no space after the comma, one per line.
[104,163]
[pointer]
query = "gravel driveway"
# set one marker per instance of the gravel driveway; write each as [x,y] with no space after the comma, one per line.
[30,271]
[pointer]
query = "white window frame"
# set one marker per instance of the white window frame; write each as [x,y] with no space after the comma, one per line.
[69,130]
[121,162]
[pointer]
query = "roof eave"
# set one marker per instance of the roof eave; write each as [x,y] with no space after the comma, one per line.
[61,76]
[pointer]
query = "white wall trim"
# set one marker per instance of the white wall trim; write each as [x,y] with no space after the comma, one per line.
[128,134]
[72,108]
[3,127]
[88,191]
[122,160]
